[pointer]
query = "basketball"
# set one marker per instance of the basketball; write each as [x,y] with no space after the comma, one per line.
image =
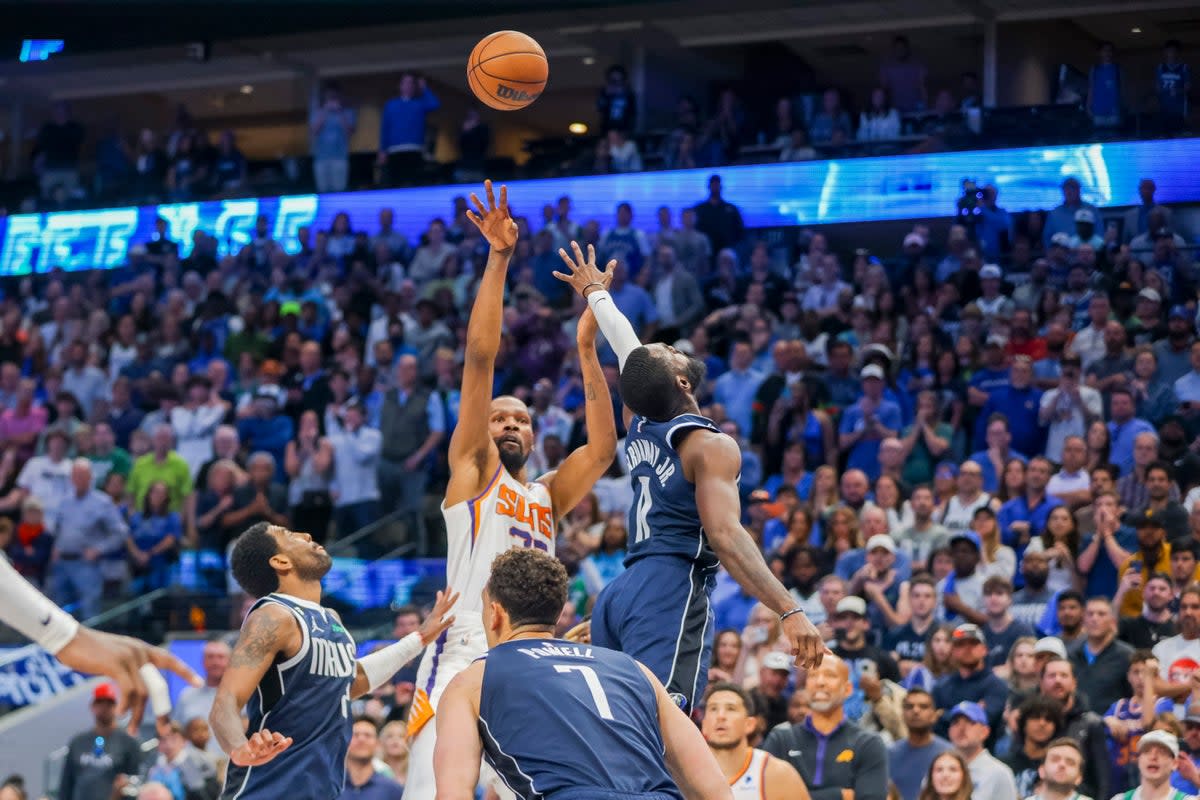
[507,70]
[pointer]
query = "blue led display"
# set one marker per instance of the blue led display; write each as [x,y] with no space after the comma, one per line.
[806,193]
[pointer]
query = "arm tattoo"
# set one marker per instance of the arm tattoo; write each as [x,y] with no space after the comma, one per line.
[259,641]
[589,392]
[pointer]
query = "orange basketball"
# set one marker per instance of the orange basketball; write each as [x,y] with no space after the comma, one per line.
[507,70]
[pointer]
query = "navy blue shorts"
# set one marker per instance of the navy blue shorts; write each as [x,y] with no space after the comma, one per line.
[658,612]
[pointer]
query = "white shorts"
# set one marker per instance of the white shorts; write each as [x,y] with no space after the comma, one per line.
[454,651]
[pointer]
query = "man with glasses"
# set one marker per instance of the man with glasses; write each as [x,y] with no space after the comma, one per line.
[1068,409]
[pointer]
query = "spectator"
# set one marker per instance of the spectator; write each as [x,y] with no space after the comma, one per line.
[903,77]
[88,526]
[1039,722]
[229,166]
[402,129]
[718,219]
[362,779]
[616,102]
[105,456]
[1002,629]
[969,731]
[266,428]
[1082,725]
[625,243]
[865,424]
[959,510]
[474,141]
[973,682]
[260,499]
[910,760]
[356,455]
[100,760]
[831,119]
[880,122]
[195,422]
[309,465]
[812,747]
[871,668]
[24,421]
[1182,647]
[155,534]
[998,436]
[1104,89]
[1102,661]
[182,766]
[676,294]
[1069,409]
[164,464]
[1173,84]
[623,152]
[332,125]
[412,424]
[33,545]
[1062,771]
[195,702]
[1062,218]
[768,696]
[1157,760]
[83,381]
[56,152]
[735,390]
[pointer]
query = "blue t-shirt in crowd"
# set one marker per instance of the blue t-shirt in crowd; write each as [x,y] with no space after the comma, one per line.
[865,455]
[908,765]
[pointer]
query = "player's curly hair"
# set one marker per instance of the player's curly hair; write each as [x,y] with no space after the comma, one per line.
[649,387]
[251,560]
[530,585]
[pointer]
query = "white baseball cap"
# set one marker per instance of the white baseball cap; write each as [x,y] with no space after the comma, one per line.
[871,371]
[1162,739]
[852,605]
[1050,645]
[881,540]
[777,660]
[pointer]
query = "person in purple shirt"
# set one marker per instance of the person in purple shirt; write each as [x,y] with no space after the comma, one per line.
[1123,428]
[868,422]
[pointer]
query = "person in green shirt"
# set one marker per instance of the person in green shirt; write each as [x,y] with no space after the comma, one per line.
[104,454]
[162,463]
[926,441]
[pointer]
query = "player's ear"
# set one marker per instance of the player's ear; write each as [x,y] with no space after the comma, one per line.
[749,726]
[280,563]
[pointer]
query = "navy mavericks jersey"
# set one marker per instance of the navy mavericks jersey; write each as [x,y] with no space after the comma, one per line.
[663,519]
[306,697]
[555,716]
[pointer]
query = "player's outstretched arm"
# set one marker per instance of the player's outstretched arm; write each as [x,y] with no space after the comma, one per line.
[269,631]
[470,446]
[592,284]
[458,752]
[376,669]
[579,471]
[29,612]
[782,782]
[713,460]
[689,760]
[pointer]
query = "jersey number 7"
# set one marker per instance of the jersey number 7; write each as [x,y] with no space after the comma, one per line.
[593,683]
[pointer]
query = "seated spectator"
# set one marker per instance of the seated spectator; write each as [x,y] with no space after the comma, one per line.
[623,152]
[261,499]
[969,730]
[832,117]
[229,166]
[1059,539]
[267,429]
[1039,722]
[880,121]
[1084,726]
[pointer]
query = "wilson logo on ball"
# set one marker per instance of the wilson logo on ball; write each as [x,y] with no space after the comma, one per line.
[511,93]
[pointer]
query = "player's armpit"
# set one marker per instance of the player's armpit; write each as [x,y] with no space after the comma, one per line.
[269,631]
[457,756]
[688,758]
[783,782]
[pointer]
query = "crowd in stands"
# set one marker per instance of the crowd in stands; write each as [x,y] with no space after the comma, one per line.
[903,113]
[981,483]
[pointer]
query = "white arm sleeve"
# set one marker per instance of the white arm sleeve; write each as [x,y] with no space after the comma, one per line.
[31,613]
[613,324]
[380,666]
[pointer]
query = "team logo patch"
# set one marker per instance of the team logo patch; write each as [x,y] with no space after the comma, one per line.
[679,700]
[845,756]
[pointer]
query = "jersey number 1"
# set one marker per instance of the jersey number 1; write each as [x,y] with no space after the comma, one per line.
[593,683]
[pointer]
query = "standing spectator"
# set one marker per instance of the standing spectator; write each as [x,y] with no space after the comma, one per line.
[309,465]
[107,459]
[1124,428]
[87,383]
[229,166]
[616,102]
[56,153]
[100,760]
[1061,219]
[1102,661]
[195,702]
[332,125]
[88,526]
[45,477]
[677,295]
[909,760]
[813,747]
[181,765]
[155,531]
[260,499]
[1104,89]
[166,465]
[1173,84]
[994,227]
[474,140]
[969,732]
[718,219]
[355,488]
[402,129]
[363,782]
[412,423]
[267,428]
[196,420]
[868,422]
[431,256]
[735,389]
[904,78]
[1069,408]
[1084,726]
[692,248]
[624,242]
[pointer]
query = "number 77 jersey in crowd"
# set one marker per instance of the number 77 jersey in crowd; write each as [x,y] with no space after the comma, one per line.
[556,716]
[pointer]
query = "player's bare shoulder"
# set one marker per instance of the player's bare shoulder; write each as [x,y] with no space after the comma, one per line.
[706,449]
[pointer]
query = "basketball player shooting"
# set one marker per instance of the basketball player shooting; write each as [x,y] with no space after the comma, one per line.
[556,719]
[30,613]
[294,662]
[685,516]
[490,506]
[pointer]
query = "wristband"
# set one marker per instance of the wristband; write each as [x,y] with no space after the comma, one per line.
[590,285]
[786,614]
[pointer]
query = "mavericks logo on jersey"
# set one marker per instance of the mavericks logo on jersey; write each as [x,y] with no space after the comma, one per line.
[642,451]
[332,659]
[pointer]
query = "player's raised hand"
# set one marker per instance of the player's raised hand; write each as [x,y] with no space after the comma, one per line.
[434,624]
[120,658]
[808,647]
[494,221]
[584,274]
[261,747]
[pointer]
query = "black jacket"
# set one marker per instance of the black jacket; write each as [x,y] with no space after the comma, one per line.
[849,758]
[1104,677]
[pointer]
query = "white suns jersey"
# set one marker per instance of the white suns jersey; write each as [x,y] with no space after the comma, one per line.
[750,783]
[507,514]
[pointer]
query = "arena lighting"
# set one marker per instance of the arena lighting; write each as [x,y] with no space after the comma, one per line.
[39,49]
[246,88]
[769,195]
[588,61]
[1135,30]
[577,128]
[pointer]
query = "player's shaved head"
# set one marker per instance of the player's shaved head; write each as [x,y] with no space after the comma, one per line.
[531,587]
[658,382]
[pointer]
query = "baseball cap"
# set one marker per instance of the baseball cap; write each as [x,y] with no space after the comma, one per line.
[990,271]
[852,605]
[967,536]
[878,349]
[997,339]
[1050,645]
[871,371]
[777,660]
[946,469]
[1179,312]
[914,240]
[1146,519]
[968,631]
[1164,233]
[881,540]
[1085,215]
[971,711]
[1193,713]
[1162,739]
[105,691]
[759,496]
[1150,294]
[1060,239]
